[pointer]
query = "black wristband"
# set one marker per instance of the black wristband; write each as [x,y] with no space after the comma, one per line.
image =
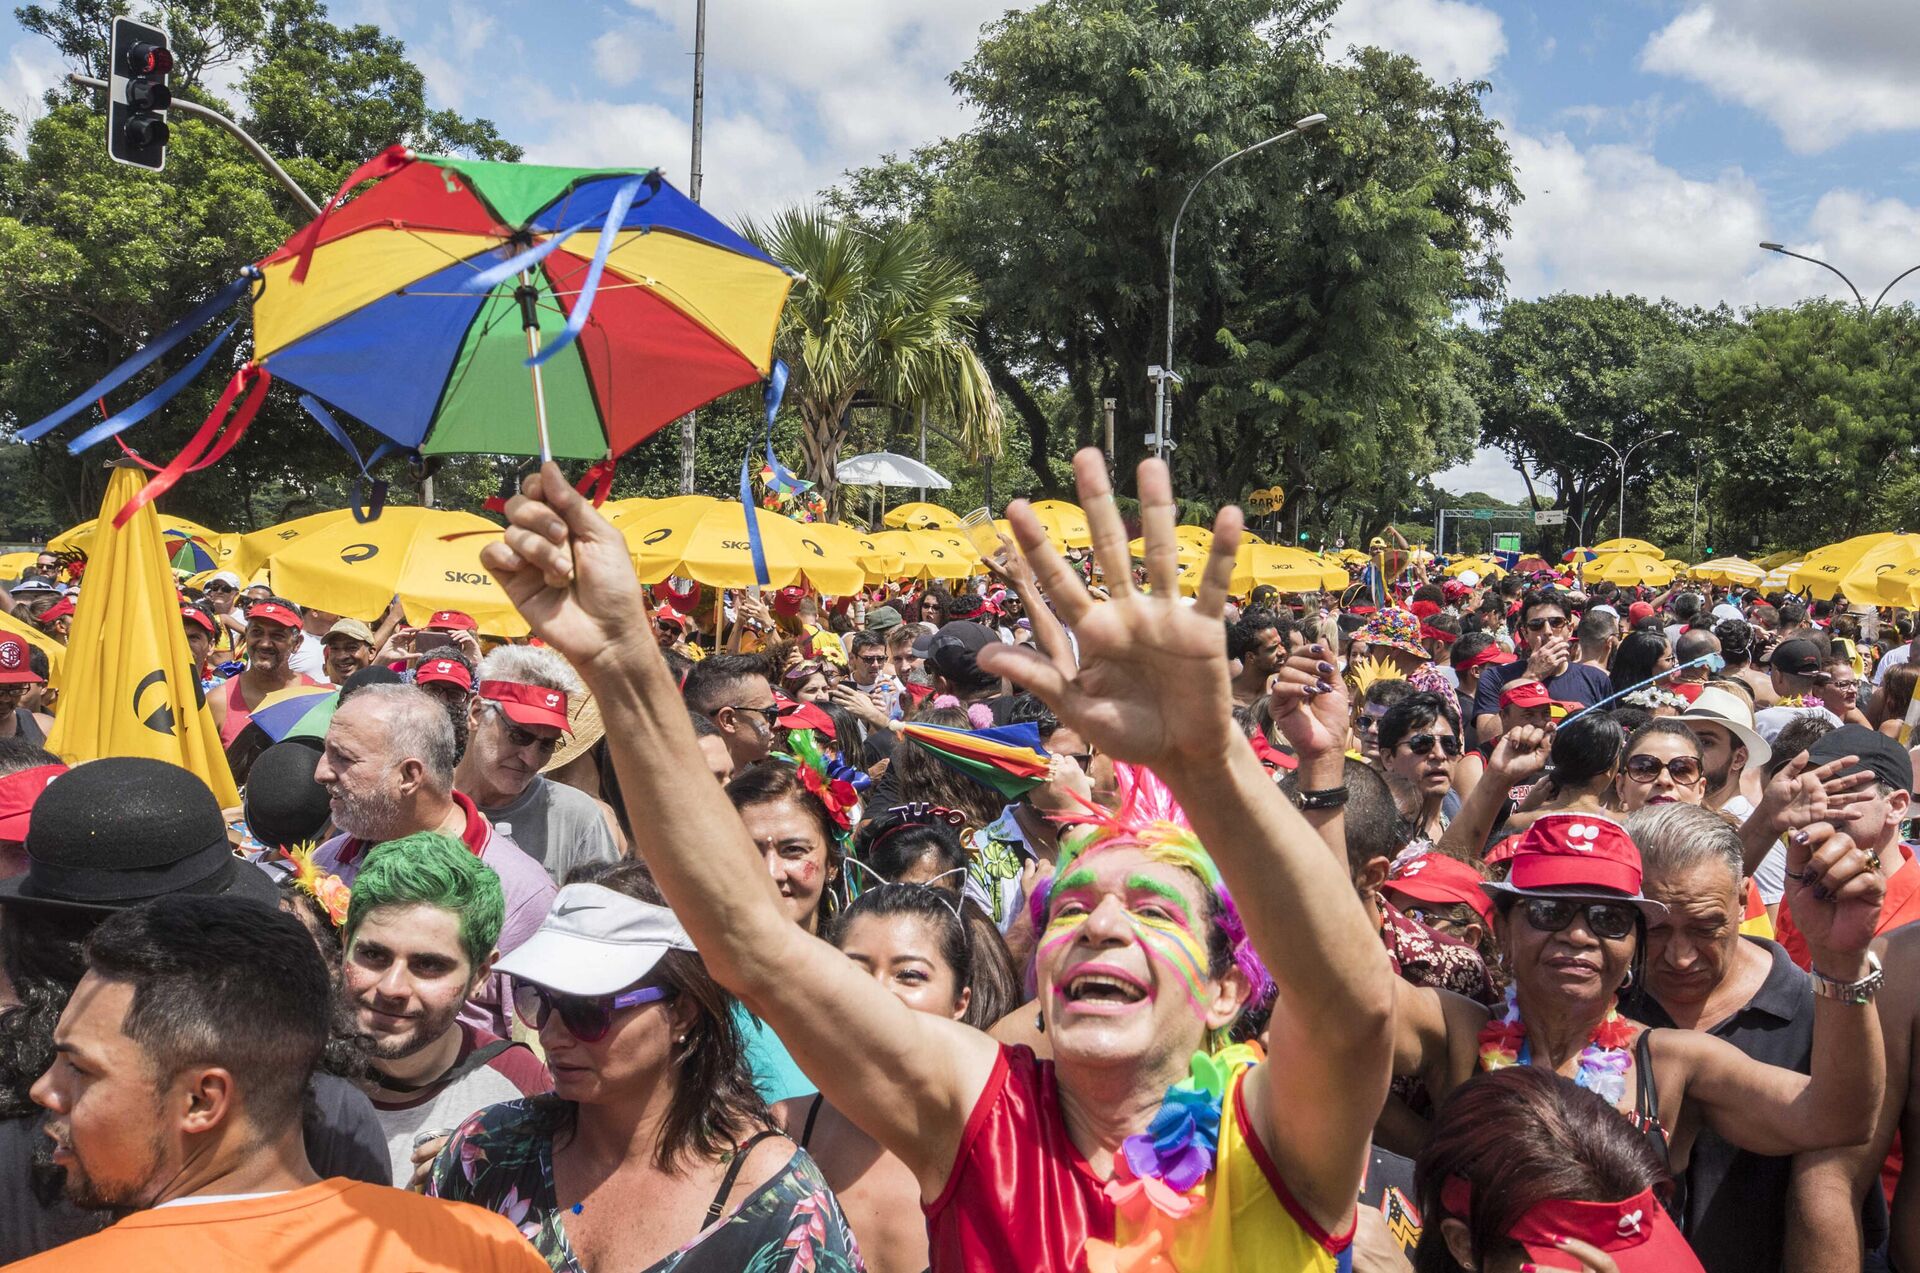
[1331,798]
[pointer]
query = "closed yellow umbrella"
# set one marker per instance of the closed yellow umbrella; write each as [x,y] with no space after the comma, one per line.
[254,549]
[1640,546]
[920,515]
[428,557]
[1852,568]
[706,540]
[1627,569]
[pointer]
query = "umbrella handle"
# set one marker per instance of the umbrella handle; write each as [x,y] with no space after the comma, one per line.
[530,319]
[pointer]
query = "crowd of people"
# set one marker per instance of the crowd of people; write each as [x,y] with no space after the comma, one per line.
[1059,921]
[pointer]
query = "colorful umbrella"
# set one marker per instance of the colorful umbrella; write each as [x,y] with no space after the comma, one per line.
[1009,758]
[300,711]
[189,554]
[706,540]
[918,515]
[428,557]
[77,538]
[1640,546]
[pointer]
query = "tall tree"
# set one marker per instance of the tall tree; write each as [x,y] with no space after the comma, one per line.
[1316,280]
[881,313]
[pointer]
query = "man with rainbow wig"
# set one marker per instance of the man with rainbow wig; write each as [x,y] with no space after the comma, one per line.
[1152,1141]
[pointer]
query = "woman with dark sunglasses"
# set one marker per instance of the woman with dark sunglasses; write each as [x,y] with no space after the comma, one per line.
[654,1149]
[1663,765]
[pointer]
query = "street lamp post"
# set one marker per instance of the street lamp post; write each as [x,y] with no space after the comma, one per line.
[1620,527]
[1861,300]
[1162,409]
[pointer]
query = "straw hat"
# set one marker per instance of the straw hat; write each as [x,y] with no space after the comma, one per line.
[585,726]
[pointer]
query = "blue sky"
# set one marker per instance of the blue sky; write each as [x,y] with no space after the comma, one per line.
[1658,141]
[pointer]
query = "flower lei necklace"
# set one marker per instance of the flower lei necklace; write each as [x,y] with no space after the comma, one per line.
[1603,1062]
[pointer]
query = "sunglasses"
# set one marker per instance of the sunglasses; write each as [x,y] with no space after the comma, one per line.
[770,714]
[1541,625]
[521,739]
[1365,724]
[1422,744]
[1685,769]
[1607,920]
[873,660]
[219,587]
[587,1018]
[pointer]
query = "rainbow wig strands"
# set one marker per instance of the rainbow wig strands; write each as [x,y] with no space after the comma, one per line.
[1150,819]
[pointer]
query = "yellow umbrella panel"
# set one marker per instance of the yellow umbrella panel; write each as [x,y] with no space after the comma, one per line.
[1640,546]
[846,543]
[1853,568]
[1063,522]
[929,554]
[1627,569]
[919,515]
[257,548]
[77,538]
[708,542]
[1286,568]
[428,557]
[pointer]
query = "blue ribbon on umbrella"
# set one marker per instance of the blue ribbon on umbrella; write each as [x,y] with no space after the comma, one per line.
[129,416]
[151,352]
[1638,685]
[776,389]
[361,513]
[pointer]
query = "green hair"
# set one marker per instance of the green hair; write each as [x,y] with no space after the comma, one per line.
[432,869]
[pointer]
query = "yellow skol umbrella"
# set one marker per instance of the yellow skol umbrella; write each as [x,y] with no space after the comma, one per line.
[1773,561]
[707,541]
[255,549]
[76,538]
[13,565]
[1627,569]
[1640,546]
[1852,568]
[1005,527]
[844,542]
[354,569]
[1288,569]
[928,554]
[1063,522]
[1485,567]
[919,515]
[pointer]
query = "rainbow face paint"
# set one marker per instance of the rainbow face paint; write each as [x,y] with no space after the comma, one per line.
[1166,938]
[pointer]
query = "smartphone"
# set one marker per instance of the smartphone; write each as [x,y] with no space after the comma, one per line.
[428,640]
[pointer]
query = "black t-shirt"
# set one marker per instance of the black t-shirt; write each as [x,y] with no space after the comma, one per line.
[342,1135]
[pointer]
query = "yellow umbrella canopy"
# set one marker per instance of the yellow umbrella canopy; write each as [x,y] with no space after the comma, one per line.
[1286,568]
[929,554]
[428,557]
[622,511]
[920,515]
[706,540]
[846,543]
[1780,576]
[13,565]
[1005,527]
[1640,546]
[1729,570]
[76,538]
[1853,567]
[1064,522]
[254,549]
[1627,569]
[1773,561]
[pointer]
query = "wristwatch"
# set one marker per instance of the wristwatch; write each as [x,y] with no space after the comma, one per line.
[1857,993]
[1330,798]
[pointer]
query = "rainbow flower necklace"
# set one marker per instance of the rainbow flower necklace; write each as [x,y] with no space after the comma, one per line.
[1603,1062]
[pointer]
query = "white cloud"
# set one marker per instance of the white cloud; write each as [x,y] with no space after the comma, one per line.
[29,71]
[472,30]
[618,56]
[1453,40]
[1818,72]
[1870,240]
[1489,471]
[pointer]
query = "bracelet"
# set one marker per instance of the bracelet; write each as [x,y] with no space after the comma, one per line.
[1330,798]
[1853,993]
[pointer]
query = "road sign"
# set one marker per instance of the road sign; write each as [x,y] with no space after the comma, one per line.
[1550,517]
[137,94]
[1483,514]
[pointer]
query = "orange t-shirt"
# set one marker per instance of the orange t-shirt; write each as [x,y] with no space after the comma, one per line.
[329,1227]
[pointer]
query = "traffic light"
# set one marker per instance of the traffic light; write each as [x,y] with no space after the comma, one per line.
[137,94]
[1305,536]
[1709,552]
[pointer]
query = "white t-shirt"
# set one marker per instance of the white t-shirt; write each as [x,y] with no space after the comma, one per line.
[310,658]
[1895,657]
[1769,721]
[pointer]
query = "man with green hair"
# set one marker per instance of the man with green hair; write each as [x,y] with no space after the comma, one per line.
[419,939]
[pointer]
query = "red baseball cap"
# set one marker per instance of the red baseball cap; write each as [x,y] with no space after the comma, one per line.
[453,621]
[1639,612]
[14,667]
[1576,855]
[667,614]
[528,704]
[58,610]
[273,612]
[1636,1232]
[194,614]
[1442,880]
[1525,694]
[18,793]
[1492,654]
[450,671]
[798,715]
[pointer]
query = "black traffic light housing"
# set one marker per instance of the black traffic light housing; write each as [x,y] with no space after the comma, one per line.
[138,97]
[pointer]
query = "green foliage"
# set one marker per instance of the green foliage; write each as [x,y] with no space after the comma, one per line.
[1316,279]
[880,313]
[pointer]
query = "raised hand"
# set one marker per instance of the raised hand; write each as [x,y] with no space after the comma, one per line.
[1309,703]
[1835,889]
[1520,754]
[1151,687]
[568,572]
[1798,797]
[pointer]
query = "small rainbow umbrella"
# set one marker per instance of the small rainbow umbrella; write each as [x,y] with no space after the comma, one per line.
[300,711]
[1008,758]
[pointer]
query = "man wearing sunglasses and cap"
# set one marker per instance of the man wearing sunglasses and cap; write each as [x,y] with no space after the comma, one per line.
[514,724]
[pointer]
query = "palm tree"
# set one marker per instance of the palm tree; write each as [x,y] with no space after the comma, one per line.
[879,312]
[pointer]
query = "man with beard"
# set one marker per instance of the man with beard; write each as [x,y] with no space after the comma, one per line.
[388,767]
[1254,641]
[418,941]
[176,1095]
[273,634]
[348,647]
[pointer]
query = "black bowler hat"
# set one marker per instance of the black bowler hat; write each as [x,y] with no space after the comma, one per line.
[285,807]
[117,832]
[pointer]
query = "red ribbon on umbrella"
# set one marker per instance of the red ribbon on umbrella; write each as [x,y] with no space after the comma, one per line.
[216,436]
[384,164]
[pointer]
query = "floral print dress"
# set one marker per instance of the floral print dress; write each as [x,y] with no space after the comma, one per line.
[502,1159]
